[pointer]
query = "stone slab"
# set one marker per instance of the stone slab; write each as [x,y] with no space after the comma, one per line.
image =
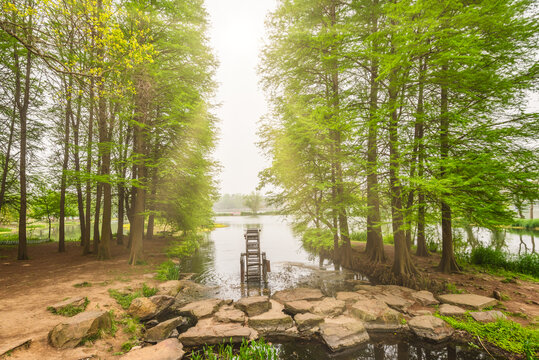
[474,301]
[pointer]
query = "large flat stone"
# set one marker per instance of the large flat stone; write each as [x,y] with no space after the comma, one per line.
[145,308]
[308,321]
[162,330]
[343,332]
[201,309]
[375,311]
[424,298]
[468,300]
[253,305]
[228,314]
[284,296]
[487,316]
[329,307]
[272,322]
[397,302]
[451,310]
[298,306]
[350,297]
[430,327]
[70,332]
[169,349]
[210,333]
[170,288]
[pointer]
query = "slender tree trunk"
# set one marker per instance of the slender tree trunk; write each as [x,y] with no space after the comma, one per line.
[375,244]
[86,249]
[448,263]
[7,157]
[22,106]
[402,265]
[532,237]
[151,206]
[68,115]
[421,204]
[96,216]
[76,159]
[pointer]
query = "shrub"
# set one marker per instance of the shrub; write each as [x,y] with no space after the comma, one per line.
[168,271]
[125,299]
[249,350]
[187,245]
[317,239]
[525,264]
[360,236]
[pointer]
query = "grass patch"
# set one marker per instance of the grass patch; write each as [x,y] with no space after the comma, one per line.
[168,271]
[505,334]
[528,224]
[2,229]
[249,350]
[82,284]
[452,288]
[70,310]
[525,264]
[125,299]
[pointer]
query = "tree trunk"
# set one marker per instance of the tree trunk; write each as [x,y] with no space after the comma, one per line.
[76,159]
[151,206]
[421,205]
[448,263]
[22,107]
[86,249]
[104,152]
[68,114]
[402,265]
[375,243]
[96,216]
[7,157]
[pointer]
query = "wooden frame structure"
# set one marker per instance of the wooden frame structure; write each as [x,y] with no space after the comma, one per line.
[254,266]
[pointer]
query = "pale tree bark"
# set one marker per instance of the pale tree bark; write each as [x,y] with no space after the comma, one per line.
[68,90]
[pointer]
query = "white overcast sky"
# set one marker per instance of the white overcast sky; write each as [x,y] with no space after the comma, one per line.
[236,31]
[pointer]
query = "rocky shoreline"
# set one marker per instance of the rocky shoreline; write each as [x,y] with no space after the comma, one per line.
[177,317]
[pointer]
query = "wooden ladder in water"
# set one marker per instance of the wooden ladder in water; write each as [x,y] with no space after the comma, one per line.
[254,267]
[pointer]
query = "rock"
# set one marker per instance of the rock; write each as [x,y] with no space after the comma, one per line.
[308,321]
[477,302]
[9,347]
[78,301]
[163,330]
[169,349]
[202,308]
[424,298]
[329,307]
[430,327]
[209,332]
[370,289]
[451,310]
[146,308]
[343,332]
[396,289]
[228,314]
[394,301]
[272,322]
[420,312]
[487,316]
[150,324]
[298,307]
[174,334]
[70,332]
[349,297]
[190,291]
[170,288]
[375,311]
[284,296]
[253,305]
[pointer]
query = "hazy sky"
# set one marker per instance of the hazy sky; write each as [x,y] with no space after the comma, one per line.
[237,28]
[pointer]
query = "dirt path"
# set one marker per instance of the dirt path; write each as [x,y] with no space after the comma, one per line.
[28,287]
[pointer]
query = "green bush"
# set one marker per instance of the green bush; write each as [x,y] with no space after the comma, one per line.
[360,236]
[249,350]
[388,239]
[528,224]
[187,245]
[317,239]
[168,271]
[525,264]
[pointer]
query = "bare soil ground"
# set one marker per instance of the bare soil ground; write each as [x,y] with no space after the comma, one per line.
[523,295]
[27,288]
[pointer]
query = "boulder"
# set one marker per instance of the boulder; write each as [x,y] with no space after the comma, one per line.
[430,327]
[349,297]
[308,321]
[190,291]
[162,330]
[170,288]
[329,307]
[169,349]
[78,301]
[272,322]
[487,316]
[424,298]
[451,310]
[284,296]
[228,314]
[70,332]
[209,332]
[375,311]
[202,308]
[253,305]
[343,332]
[394,301]
[474,301]
[298,307]
[146,308]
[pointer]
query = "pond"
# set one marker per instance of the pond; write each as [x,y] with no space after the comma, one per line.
[217,265]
